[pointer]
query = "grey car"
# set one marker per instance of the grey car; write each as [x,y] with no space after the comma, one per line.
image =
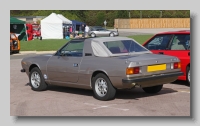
[98,31]
[104,65]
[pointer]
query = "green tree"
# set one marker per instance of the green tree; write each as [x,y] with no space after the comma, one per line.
[122,14]
[97,17]
[100,18]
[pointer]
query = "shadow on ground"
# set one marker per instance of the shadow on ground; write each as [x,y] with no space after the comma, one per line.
[180,82]
[135,93]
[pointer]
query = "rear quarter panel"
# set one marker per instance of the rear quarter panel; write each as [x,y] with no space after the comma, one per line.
[114,68]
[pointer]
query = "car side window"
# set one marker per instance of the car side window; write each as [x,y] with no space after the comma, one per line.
[101,29]
[92,29]
[73,49]
[159,42]
[180,42]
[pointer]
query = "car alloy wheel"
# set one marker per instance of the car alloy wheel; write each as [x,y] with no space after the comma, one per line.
[93,35]
[188,75]
[35,79]
[112,35]
[101,87]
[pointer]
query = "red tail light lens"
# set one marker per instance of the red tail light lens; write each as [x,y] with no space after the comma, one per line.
[136,70]
[177,65]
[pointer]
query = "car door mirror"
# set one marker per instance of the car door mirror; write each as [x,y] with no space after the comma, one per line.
[62,53]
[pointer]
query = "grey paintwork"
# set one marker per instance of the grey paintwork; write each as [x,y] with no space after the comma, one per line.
[60,70]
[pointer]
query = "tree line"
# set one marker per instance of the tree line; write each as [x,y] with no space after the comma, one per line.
[97,17]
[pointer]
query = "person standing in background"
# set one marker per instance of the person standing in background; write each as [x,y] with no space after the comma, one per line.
[86,31]
[83,29]
[70,29]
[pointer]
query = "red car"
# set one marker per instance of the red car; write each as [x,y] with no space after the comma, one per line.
[176,43]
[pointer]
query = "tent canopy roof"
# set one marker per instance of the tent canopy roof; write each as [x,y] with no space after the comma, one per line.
[53,18]
[64,19]
[16,21]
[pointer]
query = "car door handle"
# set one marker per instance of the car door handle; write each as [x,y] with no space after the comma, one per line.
[188,53]
[160,53]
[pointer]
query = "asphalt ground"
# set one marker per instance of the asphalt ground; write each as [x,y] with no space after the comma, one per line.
[130,32]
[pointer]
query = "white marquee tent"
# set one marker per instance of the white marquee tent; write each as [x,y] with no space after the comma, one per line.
[64,18]
[52,27]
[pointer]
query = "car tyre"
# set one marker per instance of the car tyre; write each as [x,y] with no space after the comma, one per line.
[103,88]
[188,75]
[36,80]
[112,35]
[93,35]
[153,89]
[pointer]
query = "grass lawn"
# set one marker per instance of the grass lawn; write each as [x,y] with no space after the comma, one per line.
[42,45]
[55,44]
[141,38]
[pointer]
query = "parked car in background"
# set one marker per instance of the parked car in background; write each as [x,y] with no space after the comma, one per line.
[98,31]
[176,43]
[102,64]
[14,43]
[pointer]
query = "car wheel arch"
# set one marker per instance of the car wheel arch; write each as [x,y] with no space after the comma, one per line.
[112,33]
[187,70]
[97,72]
[33,66]
[188,65]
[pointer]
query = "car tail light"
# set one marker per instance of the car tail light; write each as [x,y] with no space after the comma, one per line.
[176,65]
[132,70]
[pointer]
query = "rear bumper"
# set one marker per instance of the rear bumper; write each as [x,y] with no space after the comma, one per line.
[153,80]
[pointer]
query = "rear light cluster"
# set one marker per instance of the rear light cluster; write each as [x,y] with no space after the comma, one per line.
[132,70]
[175,65]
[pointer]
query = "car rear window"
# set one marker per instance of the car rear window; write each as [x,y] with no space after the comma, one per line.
[124,46]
